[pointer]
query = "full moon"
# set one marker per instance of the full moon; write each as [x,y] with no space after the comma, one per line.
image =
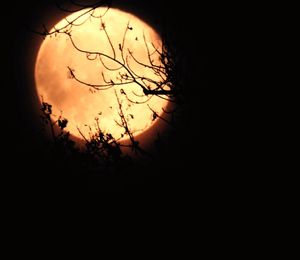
[65,76]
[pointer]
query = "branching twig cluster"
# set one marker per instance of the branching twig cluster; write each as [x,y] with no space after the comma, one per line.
[165,83]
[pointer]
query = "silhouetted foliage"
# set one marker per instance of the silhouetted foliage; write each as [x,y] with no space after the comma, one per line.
[102,149]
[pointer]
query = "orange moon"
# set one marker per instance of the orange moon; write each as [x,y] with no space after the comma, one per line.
[78,102]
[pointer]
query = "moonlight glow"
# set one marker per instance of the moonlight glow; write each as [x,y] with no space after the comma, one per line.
[81,104]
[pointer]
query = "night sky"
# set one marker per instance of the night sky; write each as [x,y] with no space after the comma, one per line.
[191,154]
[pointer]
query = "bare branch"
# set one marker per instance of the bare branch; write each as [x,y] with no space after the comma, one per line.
[156,68]
[139,102]
[108,38]
[89,56]
[107,56]
[82,135]
[164,72]
[156,115]
[122,47]
[72,22]
[107,67]
[98,86]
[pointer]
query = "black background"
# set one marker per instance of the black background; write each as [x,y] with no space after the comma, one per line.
[195,149]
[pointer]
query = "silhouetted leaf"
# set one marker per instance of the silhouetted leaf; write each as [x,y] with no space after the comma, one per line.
[101,135]
[102,26]
[154,116]
[71,74]
[46,108]
[62,123]
[109,136]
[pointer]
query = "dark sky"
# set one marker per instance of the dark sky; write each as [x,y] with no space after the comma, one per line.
[191,149]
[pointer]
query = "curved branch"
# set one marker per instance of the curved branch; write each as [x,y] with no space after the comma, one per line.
[90,10]
[81,6]
[88,56]
[108,38]
[108,68]
[107,56]
[138,102]
[72,23]
[69,24]
[137,94]
[101,15]
[145,65]
[123,42]
[149,54]
[98,86]
[66,10]
[102,2]
[157,70]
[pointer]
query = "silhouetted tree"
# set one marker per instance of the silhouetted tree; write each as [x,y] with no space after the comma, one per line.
[102,150]
[166,83]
